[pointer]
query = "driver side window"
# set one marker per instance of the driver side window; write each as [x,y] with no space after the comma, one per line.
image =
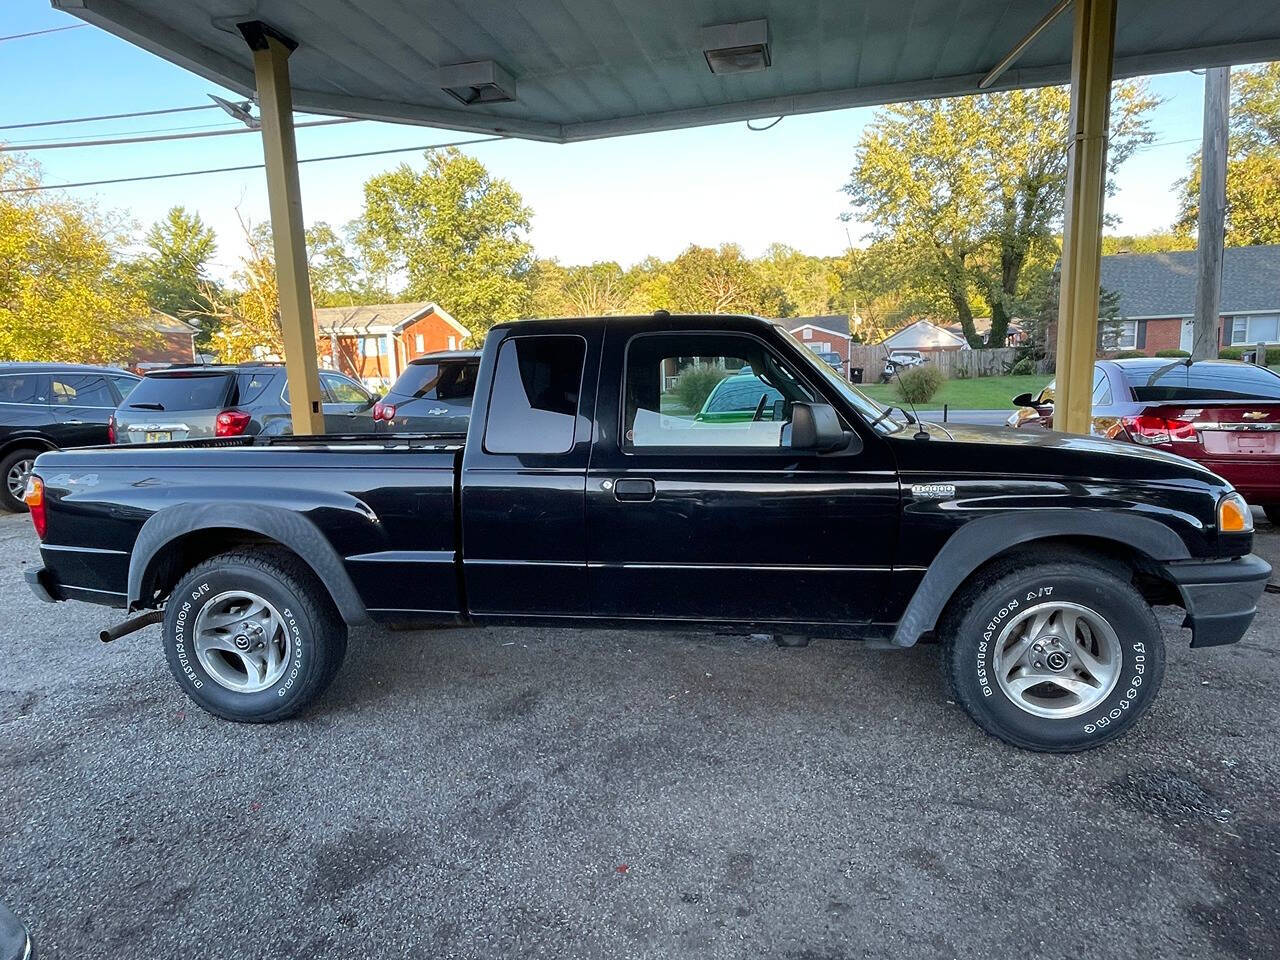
[708,391]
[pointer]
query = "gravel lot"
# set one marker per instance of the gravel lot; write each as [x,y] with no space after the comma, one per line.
[536,793]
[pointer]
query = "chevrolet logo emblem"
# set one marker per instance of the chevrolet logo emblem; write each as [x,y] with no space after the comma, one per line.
[1255,415]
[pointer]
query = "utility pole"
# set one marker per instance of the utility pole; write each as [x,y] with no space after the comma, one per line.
[1211,232]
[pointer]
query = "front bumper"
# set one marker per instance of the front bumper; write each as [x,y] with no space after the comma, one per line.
[43,585]
[1220,596]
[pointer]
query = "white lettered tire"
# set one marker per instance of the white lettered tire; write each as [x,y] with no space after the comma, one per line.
[1058,656]
[252,635]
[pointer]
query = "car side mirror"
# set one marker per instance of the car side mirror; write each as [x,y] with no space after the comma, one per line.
[1023,400]
[816,427]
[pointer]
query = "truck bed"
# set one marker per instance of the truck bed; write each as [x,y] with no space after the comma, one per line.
[385,505]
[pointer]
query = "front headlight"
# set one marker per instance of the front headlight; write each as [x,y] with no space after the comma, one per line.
[1234,515]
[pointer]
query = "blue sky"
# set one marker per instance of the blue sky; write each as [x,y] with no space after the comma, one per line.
[619,199]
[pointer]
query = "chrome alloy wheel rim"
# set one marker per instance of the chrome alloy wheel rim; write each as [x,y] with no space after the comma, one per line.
[242,642]
[1057,660]
[18,476]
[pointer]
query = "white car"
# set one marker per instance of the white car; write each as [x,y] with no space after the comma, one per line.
[901,360]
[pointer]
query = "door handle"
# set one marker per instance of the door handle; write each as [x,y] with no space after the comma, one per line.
[633,491]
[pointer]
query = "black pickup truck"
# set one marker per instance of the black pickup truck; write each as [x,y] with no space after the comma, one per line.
[665,472]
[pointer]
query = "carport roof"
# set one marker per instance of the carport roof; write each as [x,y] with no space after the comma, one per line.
[586,69]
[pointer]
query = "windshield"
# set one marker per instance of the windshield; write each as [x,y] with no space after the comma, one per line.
[868,408]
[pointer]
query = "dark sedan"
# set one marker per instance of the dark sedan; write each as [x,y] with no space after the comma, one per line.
[50,406]
[1222,413]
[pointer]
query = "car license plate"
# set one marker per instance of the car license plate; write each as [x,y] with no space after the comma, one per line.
[158,436]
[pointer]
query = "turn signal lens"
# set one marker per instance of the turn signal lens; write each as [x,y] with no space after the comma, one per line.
[33,497]
[1234,515]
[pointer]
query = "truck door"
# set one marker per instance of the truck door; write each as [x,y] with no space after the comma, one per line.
[698,509]
[524,477]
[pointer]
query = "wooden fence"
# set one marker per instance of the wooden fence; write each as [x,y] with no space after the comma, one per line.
[954,364]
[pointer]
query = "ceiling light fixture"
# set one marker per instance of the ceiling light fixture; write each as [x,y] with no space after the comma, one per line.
[480,81]
[736,47]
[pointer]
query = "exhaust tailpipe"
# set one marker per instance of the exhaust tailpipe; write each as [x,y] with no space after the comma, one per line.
[126,627]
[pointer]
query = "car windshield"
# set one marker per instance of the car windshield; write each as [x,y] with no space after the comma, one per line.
[870,410]
[180,391]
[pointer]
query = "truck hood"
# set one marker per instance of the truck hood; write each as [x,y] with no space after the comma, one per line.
[1003,450]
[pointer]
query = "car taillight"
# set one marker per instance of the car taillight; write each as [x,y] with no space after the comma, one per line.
[111,429]
[1148,429]
[33,497]
[231,423]
[384,411]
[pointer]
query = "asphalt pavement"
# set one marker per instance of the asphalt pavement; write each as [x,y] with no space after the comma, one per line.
[545,793]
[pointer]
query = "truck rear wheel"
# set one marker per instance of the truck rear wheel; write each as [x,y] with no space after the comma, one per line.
[253,636]
[1057,656]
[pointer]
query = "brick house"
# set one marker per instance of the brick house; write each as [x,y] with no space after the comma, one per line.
[176,343]
[823,334]
[1157,297]
[374,343]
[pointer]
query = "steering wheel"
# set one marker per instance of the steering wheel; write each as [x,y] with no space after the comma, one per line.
[759,414]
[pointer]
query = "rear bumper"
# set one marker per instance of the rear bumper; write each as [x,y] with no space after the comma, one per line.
[1220,596]
[1258,481]
[43,585]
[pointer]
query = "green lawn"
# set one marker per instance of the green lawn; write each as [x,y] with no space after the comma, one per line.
[980,393]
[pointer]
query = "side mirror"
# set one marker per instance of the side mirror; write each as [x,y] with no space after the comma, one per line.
[1023,400]
[815,426]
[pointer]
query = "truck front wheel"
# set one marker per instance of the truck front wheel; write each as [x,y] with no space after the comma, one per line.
[252,635]
[1057,656]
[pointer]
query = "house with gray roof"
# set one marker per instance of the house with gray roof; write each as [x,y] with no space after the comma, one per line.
[1157,297]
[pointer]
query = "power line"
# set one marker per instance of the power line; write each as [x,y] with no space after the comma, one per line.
[80,137]
[153,139]
[38,33]
[108,116]
[248,166]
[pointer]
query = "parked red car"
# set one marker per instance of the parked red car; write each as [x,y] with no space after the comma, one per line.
[1221,413]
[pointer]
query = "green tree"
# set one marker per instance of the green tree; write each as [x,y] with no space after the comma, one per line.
[340,272]
[1146,243]
[590,290]
[457,233]
[808,285]
[703,280]
[249,318]
[975,187]
[1253,162]
[65,292]
[174,274]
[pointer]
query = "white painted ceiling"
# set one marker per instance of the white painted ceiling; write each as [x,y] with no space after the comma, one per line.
[596,68]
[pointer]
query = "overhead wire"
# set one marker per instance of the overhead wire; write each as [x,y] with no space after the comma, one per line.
[249,166]
[114,141]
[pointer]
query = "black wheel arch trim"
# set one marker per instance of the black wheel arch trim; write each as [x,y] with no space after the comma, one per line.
[288,528]
[979,540]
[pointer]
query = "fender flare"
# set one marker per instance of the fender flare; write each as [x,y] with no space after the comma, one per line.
[979,540]
[30,441]
[287,527]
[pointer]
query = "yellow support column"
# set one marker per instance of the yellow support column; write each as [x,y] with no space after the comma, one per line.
[1092,52]
[275,100]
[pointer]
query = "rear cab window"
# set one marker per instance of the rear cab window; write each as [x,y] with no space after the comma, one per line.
[1179,382]
[181,391]
[533,403]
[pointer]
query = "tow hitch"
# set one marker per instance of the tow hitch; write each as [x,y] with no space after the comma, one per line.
[126,627]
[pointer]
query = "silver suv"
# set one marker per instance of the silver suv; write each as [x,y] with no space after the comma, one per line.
[191,403]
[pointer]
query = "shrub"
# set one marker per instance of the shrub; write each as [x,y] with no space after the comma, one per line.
[1172,354]
[1237,353]
[1127,355]
[919,384]
[1023,368]
[695,385]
